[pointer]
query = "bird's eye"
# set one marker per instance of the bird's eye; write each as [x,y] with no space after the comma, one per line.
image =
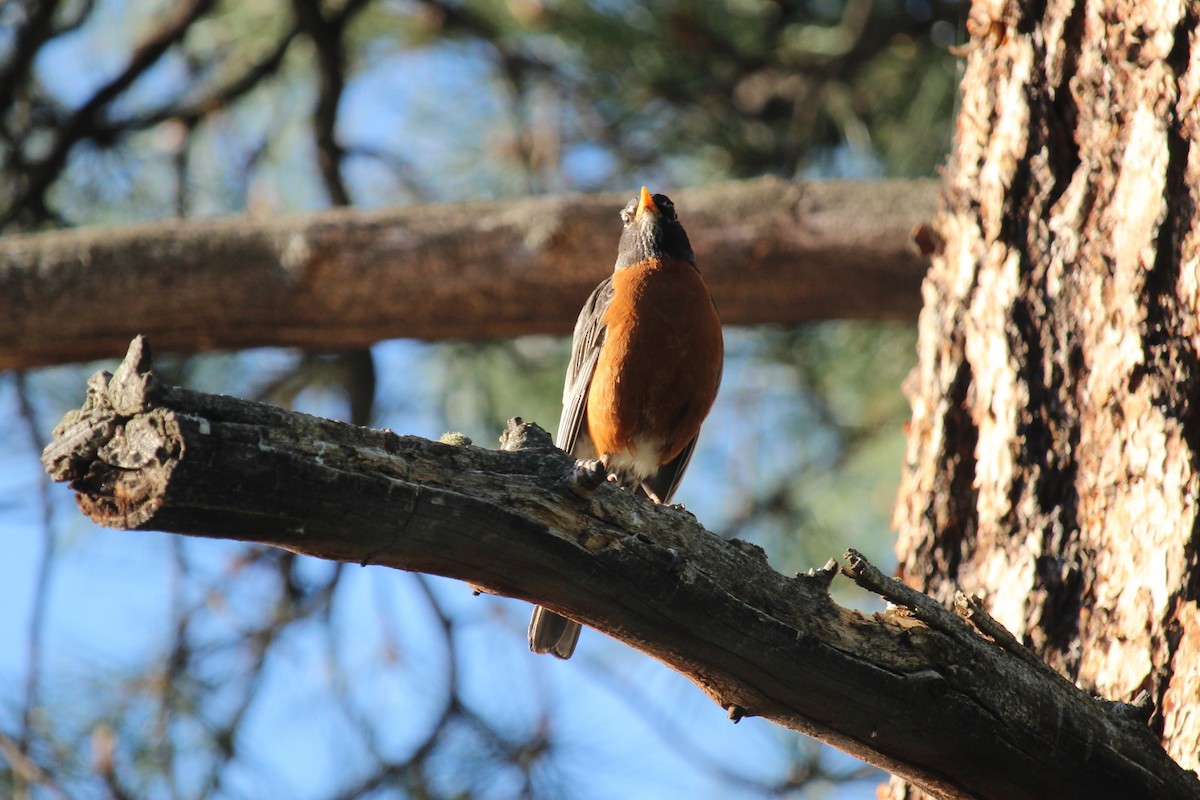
[627,213]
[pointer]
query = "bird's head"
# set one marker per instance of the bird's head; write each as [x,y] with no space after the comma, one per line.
[652,231]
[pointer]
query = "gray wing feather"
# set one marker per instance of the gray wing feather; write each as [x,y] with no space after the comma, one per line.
[585,352]
[662,484]
[550,632]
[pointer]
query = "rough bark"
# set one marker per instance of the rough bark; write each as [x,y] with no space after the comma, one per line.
[1054,449]
[771,251]
[918,693]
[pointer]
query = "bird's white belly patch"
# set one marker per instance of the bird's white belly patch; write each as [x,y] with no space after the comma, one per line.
[640,460]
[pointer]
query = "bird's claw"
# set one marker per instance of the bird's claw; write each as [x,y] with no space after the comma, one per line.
[585,476]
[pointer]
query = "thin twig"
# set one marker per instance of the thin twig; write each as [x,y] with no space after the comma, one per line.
[45,569]
[25,768]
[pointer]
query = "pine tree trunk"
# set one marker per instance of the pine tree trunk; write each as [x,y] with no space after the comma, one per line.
[1054,451]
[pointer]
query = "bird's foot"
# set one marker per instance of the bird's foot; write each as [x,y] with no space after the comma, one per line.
[654,498]
[585,476]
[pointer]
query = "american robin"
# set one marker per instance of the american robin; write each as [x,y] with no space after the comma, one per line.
[646,361]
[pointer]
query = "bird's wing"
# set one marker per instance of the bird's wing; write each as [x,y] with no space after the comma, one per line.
[662,484]
[585,352]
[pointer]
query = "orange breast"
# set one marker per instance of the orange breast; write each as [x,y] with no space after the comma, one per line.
[659,367]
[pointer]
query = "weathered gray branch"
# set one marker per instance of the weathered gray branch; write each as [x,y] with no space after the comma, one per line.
[918,693]
[771,250]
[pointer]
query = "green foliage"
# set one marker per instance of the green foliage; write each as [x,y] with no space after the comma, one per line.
[842,494]
[745,88]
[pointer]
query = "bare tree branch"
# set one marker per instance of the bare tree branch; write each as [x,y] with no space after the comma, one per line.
[222,96]
[27,40]
[36,633]
[920,694]
[83,122]
[27,771]
[771,251]
[326,32]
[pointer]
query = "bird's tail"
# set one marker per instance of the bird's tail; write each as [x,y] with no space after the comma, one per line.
[552,633]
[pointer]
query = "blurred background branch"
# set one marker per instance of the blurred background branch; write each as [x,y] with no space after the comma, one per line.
[774,251]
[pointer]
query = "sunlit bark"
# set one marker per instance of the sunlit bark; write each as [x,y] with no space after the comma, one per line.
[1055,443]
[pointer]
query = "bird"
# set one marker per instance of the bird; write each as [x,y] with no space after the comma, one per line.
[646,360]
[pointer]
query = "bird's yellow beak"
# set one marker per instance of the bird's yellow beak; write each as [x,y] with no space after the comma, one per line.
[644,204]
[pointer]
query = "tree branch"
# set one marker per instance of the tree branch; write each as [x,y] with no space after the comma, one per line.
[771,251]
[36,28]
[921,694]
[326,33]
[191,112]
[83,121]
